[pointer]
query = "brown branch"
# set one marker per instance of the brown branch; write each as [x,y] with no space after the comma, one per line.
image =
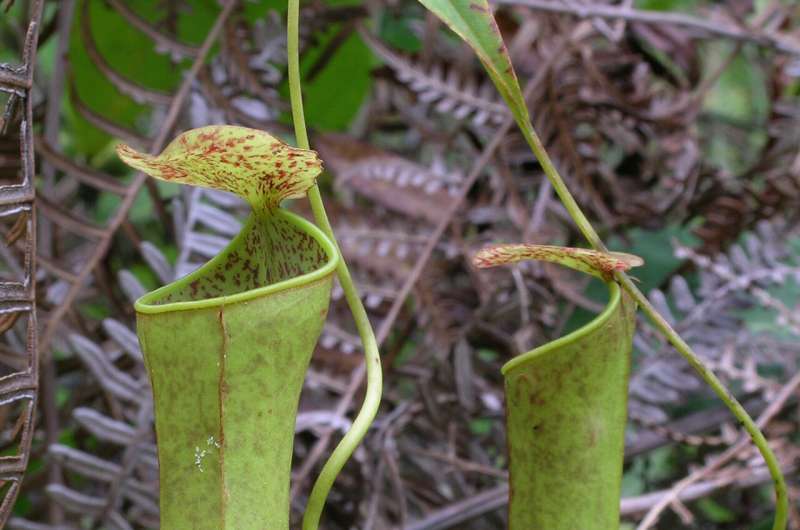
[139,93]
[674,493]
[593,10]
[488,501]
[52,121]
[19,297]
[99,121]
[52,117]
[84,174]
[13,79]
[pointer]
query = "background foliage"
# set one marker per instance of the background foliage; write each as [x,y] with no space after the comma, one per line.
[677,131]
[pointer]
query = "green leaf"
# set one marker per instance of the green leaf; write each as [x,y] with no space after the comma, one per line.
[655,247]
[487,355]
[396,32]
[714,511]
[227,347]
[762,320]
[117,41]
[480,426]
[334,95]
[667,5]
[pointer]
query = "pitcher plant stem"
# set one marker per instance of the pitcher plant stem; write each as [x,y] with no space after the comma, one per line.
[372,398]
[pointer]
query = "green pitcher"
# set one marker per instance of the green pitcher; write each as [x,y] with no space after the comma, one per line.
[566,409]
[566,405]
[227,347]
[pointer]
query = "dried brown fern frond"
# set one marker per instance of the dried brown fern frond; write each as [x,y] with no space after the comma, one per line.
[395,183]
[19,364]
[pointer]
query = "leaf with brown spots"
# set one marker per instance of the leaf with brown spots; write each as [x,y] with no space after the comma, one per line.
[600,264]
[251,163]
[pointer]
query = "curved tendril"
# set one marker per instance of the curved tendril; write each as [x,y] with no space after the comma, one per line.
[348,444]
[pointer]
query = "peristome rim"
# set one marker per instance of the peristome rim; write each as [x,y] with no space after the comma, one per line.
[144,304]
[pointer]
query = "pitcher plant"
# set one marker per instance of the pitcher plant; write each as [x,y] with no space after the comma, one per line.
[227,347]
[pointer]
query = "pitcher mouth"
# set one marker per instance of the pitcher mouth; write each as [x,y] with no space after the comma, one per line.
[152,302]
[599,320]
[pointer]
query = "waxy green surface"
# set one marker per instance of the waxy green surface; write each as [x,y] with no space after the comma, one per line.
[566,412]
[227,347]
[566,405]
